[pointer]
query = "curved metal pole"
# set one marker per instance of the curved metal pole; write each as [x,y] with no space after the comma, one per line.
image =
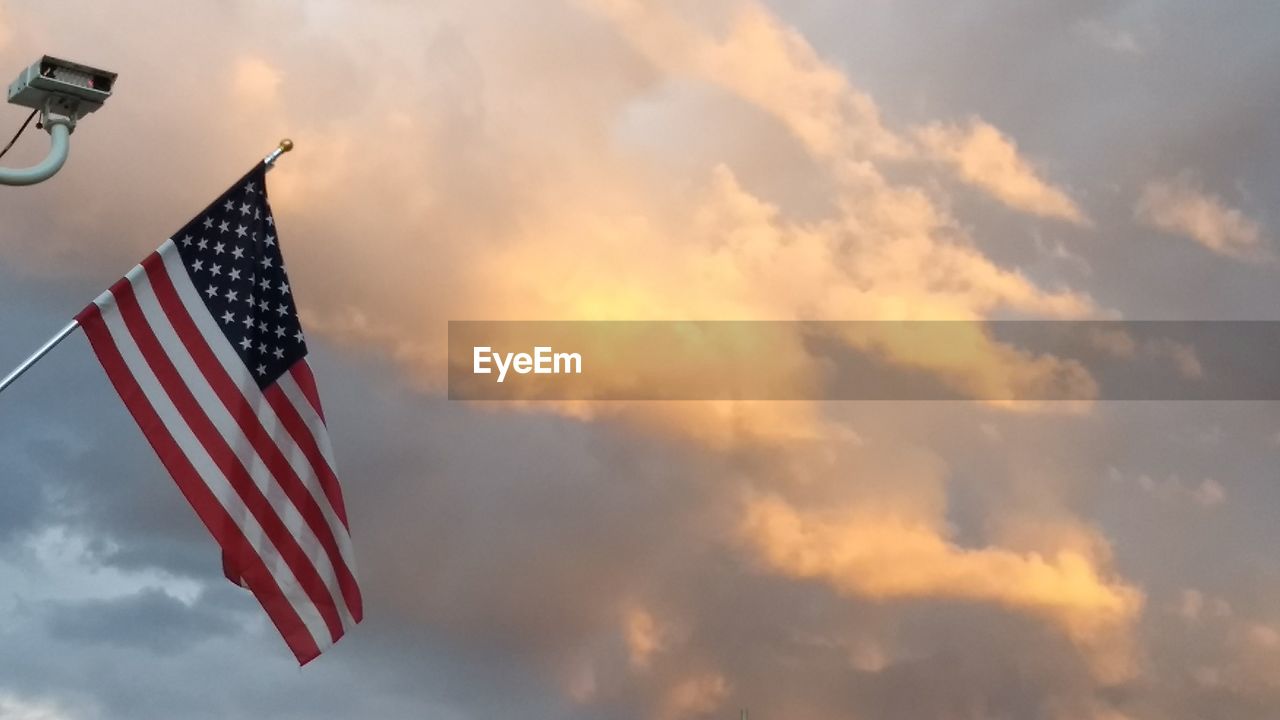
[60,145]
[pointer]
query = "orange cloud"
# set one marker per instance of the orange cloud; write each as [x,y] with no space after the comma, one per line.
[644,637]
[696,696]
[986,158]
[881,557]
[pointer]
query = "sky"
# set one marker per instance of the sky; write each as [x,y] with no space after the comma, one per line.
[656,159]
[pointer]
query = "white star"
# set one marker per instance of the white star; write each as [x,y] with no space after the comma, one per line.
[262,327]
[241,231]
[232,294]
[278,353]
[262,348]
[281,310]
[262,369]
[252,302]
[248,187]
[203,244]
[271,221]
[217,249]
[186,241]
[237,253]
[298,336]
[197,265]
[257,215]
[265,284]
[227,317]
[224,226]
[279,331]
[245,208]
[208,223]
[216,270]
[266,263]
[284,288]
[213,290]
[248,321]
[271,240]
[230,205]
[234,274]
[245,344]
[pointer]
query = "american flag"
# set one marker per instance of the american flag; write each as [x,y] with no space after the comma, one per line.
[202,342]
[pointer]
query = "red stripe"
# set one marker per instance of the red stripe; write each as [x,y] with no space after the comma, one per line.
[250,424]
[297,427]
[222,455]
[215,517]
[301,372]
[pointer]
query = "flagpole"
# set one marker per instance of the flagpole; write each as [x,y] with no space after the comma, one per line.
[285,146]
[44,350]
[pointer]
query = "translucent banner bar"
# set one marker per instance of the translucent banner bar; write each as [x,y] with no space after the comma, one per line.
[919,360]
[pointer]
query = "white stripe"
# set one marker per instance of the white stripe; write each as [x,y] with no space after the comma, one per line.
[240,445]
[209,473]
[315,425]
[243,378]
[310,417]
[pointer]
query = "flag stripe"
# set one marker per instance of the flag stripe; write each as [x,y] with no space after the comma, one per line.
[206,433]
[315,425]
[302,375]
[298,385]
[245,416]
[297,427]
[311,458]
[283,613]
[236,418]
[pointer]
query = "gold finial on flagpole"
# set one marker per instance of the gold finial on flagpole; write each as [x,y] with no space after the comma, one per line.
[285,146]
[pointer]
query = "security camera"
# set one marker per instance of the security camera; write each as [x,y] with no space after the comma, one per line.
[58,87]
[62,92]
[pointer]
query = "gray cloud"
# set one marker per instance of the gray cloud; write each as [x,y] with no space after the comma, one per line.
[150,619]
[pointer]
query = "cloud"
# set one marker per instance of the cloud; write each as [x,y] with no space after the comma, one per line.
[697,696]
[151,619]
[755,56]
[986,158]
[460,160]
[644,637]
[1121,344]
[1117,40]
[14,707]
[1207,493]
[744,48]
[1180,205]
[1194,605]
[885,558]
[515,195]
